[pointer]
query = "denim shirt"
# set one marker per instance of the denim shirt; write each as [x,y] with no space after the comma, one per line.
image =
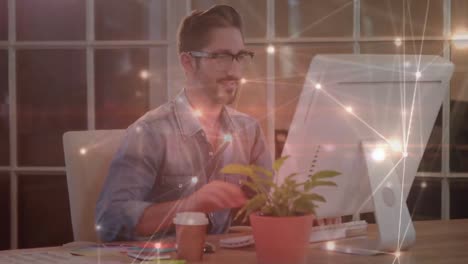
[165,156]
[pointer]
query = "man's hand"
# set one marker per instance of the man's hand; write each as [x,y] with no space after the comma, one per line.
[216,195]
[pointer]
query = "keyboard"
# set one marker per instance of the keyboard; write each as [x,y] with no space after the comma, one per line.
[338,231]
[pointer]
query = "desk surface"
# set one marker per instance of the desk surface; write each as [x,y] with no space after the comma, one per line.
[436,242]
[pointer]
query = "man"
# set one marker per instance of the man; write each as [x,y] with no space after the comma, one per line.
[170,158]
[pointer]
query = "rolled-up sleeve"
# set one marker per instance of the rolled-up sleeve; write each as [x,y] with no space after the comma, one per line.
[127,188]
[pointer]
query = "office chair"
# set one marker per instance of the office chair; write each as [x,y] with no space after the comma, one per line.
[87,158]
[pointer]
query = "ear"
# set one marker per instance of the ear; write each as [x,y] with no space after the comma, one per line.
[187,62]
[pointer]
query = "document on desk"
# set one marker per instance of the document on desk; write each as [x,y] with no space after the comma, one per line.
[47,257]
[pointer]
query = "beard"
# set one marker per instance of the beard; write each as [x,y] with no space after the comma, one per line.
[226,90]
[223,91]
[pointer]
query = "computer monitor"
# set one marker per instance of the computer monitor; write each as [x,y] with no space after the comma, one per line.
[370,118]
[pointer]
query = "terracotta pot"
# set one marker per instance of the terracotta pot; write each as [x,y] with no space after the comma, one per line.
[281,240]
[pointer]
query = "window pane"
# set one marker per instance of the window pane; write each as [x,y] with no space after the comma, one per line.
[424,199]
[123,80]
[292,63]
[130,19]
[50,20]
[401,18]
[458,198]
[459,17]
[44,211]
[431,160]
[253,14]
[252,96]
[51,97]
[5,215]
[459,110]
[3,20]
[4,110]
[314,18]
[426,47]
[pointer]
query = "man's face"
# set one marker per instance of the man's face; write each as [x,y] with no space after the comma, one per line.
[220,84]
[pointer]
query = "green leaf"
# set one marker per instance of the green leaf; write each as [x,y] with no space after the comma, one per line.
[303,205]
[252,186]
[279,162]
[312,184]
[262,170]
[252,205]
[314,197]
[290,176]
[267,210]
[324,174]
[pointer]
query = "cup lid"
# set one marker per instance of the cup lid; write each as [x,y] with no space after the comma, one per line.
[191,218]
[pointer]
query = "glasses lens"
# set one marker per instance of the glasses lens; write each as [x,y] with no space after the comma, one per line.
[224,61]
[244,59]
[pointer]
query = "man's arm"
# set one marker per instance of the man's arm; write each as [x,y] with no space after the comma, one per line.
[211,197]
[130,180]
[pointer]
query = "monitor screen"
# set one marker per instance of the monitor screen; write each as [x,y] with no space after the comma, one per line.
[348,99]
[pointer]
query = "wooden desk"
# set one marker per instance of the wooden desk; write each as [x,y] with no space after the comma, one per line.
[437,242]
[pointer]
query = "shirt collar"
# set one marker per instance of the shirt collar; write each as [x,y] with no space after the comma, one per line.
[189,123]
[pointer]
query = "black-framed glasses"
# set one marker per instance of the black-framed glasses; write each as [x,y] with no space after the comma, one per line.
[224,59]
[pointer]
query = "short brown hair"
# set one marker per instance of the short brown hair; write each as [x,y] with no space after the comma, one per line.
[195,29]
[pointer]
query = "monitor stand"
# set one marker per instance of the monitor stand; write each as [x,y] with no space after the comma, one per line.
[395,228]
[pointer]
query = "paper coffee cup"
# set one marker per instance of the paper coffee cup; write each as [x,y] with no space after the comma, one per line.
[190,235]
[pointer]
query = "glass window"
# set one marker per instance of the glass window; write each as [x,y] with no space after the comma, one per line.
[314,18]
[51,97]
[123,81]
[401,18]
[4,110]
[459,110]
[431,160]
[130,19]
[424,200]
[42,200]
[458,198]
[252,96]
[291,66]
[459,17]
[427,47]
[3,19]
[50,20]
[5,215]
[253,14]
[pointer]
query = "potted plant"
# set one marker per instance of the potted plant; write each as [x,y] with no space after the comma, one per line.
[281,215]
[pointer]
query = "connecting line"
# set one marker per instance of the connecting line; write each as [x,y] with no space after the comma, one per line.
[380,184]
[424,32]
[357,117]
[177,205]
[416,86]
[401,206]
[409,130]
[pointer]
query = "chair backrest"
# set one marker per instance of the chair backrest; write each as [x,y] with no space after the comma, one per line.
[88,155]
